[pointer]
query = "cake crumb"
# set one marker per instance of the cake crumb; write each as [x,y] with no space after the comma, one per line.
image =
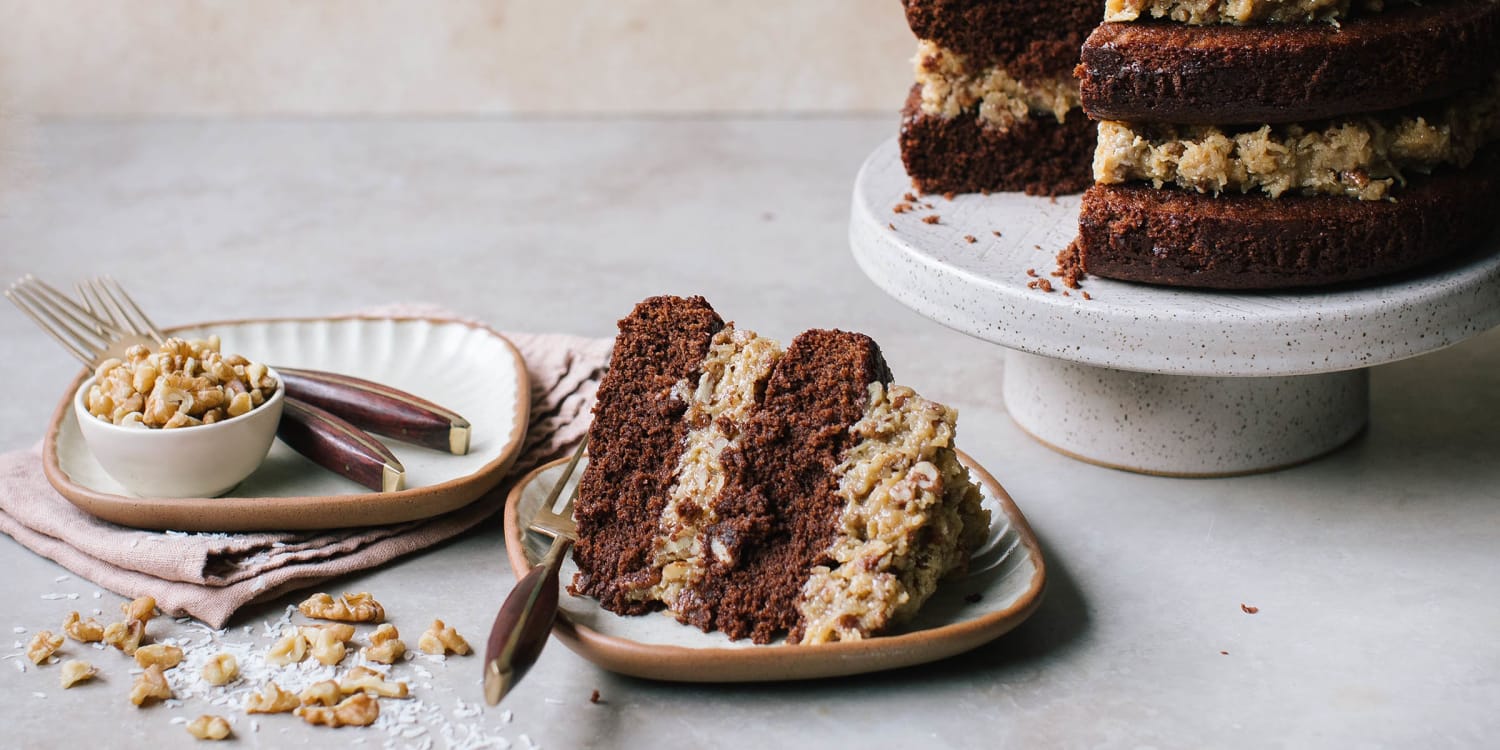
[1249,610]
[1044,285]
[969,238]
[892,225]
[995,232]
[949,195]
[901,208]
[933,219]
[594,696]
[1086,295]
[974,598]
[909,198]
[1065,293]
[1225,653]
[1031,272]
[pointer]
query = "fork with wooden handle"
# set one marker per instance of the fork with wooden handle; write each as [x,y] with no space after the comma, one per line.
[526,618]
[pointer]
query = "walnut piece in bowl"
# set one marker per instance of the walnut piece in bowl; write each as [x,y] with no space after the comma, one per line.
[184,421]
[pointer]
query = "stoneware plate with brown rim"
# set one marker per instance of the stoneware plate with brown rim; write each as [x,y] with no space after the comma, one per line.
[1007,575]
[464,366]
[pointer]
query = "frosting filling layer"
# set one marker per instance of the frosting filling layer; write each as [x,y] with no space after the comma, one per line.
[1360,157]
[952,87]
[1240,12]
[911,517]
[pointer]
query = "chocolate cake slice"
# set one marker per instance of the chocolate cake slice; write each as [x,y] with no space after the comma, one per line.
[1239,149]
[995,106]
[765,491]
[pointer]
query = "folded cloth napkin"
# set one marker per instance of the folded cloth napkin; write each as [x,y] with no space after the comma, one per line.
[210,575]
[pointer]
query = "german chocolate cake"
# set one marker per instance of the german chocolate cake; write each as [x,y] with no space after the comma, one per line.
[759,490]
[1266,144]
[995,106]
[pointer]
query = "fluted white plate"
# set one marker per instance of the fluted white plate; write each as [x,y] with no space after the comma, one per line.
[463,366]
[1002,588]
[980,288]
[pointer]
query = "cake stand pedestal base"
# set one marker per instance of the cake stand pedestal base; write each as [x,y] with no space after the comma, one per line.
[1184,425]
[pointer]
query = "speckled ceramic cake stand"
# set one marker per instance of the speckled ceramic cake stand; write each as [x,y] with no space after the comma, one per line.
[1154,379]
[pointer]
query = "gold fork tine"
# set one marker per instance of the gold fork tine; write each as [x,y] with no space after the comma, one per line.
[549,513]
[41,313]
[93,331]
[123,300]
[106,304]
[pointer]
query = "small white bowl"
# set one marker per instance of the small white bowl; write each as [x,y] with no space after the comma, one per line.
[202,461]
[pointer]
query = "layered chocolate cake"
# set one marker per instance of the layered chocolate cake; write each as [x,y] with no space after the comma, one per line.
[995,106]
[1267,144]
[762,491]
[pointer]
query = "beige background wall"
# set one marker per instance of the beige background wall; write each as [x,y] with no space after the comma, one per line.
[442,57]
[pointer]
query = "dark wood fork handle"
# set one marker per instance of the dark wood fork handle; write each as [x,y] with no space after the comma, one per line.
[340,447]
[521,628]
[380,409]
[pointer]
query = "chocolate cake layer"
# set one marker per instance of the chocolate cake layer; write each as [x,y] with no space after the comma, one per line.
[961,154]
[1158,72]
[1031,40]
[1178,238]
[634,444]
[778,512]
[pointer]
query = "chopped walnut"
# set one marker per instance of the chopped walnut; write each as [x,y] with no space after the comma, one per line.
[184,383]
[75,671]
[327,648]
[358,710]
[343,631]
[221,669]
[324,693]
[125,636]
[83,631]
[151,684]
[289,649]
[364,679]
[208,727]
[160,654]
[440,639]
[143,609]
[385,645]
[42,645]
[271,700]
[360,607]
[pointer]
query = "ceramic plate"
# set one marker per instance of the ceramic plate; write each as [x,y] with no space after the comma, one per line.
[465,367]
[1007,574]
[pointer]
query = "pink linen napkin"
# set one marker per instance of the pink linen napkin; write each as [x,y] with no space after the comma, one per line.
[211,575]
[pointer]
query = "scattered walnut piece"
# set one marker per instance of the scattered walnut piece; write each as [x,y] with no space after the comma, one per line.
[151,684]
[158,653]
[271,700]
[326,647]
[42,645]
[325,693]
[83,631]
[289,649]
[221,669]
[143,609]
[358,710]
[360,607]
[1248,609]
[207,727]
[372,682]
[75,671]
[125,636]
[440,639]
[342,631]
[971,239]
[932,219]
[386,645]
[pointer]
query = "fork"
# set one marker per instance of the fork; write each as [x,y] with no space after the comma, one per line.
[84,331]
[521,627]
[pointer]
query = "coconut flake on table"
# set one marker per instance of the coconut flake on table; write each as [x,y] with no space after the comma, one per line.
[18,629]
[62,578]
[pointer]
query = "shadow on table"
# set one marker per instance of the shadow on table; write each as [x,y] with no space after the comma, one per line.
[1057,626]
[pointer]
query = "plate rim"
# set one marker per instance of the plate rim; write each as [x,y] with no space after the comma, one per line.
[408,505]
[790,662]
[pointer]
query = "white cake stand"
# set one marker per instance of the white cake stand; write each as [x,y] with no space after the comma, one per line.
[1153,379]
